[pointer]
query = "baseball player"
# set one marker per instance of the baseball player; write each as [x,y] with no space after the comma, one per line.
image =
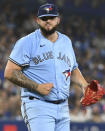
[43,63]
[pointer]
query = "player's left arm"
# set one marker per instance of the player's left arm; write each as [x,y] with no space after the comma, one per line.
[77,77]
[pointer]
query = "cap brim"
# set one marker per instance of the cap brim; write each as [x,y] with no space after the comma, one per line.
[48,15]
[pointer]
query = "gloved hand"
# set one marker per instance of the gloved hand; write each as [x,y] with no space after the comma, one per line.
[93,93]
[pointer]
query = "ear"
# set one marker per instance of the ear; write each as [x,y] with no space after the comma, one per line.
[37,19]
[58,20]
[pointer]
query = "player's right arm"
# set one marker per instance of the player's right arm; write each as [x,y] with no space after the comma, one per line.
[13,73]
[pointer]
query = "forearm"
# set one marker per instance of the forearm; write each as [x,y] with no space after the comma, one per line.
[78,78]
[14,74]
[21,80]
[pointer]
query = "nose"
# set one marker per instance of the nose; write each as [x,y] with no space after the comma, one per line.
[48,20]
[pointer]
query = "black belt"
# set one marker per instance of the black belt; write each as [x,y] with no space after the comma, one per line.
[54,102]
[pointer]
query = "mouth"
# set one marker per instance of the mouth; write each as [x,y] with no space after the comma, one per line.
[48,26]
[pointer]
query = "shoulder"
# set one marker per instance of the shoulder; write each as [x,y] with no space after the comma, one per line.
[27,40]
[66,40]
[34,35]
[65,37]
[30,36]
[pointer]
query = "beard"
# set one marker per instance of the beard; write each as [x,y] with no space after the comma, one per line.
[48,32]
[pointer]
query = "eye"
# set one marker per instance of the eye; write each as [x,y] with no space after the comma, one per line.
[47,18]
[44,18]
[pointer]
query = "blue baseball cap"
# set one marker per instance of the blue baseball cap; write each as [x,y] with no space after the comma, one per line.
[48,10]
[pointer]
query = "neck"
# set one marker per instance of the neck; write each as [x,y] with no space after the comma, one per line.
[52,37]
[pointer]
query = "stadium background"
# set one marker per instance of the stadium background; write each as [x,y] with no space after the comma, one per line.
[84,22]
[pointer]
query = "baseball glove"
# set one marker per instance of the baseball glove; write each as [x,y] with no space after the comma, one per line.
[93,93]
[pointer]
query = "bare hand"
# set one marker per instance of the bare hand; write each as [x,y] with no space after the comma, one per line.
[44,89]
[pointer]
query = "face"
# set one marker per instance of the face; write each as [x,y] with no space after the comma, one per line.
[48,24]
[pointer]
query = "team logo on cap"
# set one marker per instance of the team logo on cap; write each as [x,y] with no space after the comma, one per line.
[67,73]
[48,9]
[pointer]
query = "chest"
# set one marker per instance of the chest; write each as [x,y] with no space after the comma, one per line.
[47,50]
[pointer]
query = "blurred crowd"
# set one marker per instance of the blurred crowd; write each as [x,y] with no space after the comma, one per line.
[88,37]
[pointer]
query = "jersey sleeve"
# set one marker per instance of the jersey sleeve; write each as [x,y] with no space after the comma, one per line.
[75,61]
[20,54]
[75,64]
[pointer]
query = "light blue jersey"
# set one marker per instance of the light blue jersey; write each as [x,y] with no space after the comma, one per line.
[46,62]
